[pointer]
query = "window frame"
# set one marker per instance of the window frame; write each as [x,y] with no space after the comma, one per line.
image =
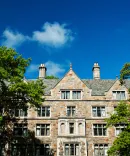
[65,94]
[98,130]
[44,129]
[71,127]
[76,94]
[71,111]
[120,128]
[24,111]
[41,109]
[71,94]
[41,147]
[72,143]
[115,98]
[99,147]
[100,112]
[22,128]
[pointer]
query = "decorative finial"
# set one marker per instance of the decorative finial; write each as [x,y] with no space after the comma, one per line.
[70,65]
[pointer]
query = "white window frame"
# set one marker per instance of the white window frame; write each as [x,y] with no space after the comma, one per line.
[72,127]
[71,94]
[101,112]
[121,127]
[71,111]
[65,95]
[40,130]
[45,112]
[99,146]
[99,135]
[115,98]
[74,143]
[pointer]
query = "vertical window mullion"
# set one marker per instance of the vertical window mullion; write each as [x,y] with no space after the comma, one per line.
[97,130]
[96,112]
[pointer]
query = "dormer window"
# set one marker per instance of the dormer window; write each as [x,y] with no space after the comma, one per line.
[65,94]
[119,95]
[76,94]
[71,94]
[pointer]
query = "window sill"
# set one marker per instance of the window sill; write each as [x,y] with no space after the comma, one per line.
[100,136]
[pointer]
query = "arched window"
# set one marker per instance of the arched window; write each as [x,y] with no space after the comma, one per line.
[62,128]
[80,128]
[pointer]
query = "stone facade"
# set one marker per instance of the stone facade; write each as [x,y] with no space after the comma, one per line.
[75,134]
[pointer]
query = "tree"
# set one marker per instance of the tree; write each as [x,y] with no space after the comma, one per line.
[15,92]
[121,145]
[51,77]
[125,72]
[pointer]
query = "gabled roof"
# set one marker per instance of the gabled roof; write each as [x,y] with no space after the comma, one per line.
[99,87]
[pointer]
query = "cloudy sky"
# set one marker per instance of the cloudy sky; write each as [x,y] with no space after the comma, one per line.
[57,32]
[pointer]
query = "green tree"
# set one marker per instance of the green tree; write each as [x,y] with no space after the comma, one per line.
[51,77]
[125,72]
[15,92]
[121,145]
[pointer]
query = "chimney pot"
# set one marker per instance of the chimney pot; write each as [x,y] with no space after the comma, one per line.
[42,71]
[96,71]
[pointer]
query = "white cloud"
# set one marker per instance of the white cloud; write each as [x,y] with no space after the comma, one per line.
[54,35]
[33,68]
[13,39]
[54,68]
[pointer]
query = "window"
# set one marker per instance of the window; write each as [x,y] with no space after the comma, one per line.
[70,110]
[120,128]
[98,111]
[43,111]
[99,129]
[76,94]
[18,149]
[71,128]
[71,94]
[119,95]
[43,150]
[100,149]
[43,129]
[21,150]
[20,129]
[20,112]
[65,94]
[72,150]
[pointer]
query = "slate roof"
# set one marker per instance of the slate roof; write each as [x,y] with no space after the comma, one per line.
[98,86]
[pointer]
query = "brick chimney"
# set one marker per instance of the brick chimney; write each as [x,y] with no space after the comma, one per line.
[42,71]
[96,71]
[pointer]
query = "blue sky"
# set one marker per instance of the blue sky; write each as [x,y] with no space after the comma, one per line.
[57,32]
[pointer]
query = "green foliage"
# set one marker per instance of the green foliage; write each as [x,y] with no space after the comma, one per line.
[12,65]
[13,88]
[125,72]
[51,77]
[15,92]
[121,145]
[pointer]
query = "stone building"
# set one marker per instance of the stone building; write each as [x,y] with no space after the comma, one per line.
[71,120]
